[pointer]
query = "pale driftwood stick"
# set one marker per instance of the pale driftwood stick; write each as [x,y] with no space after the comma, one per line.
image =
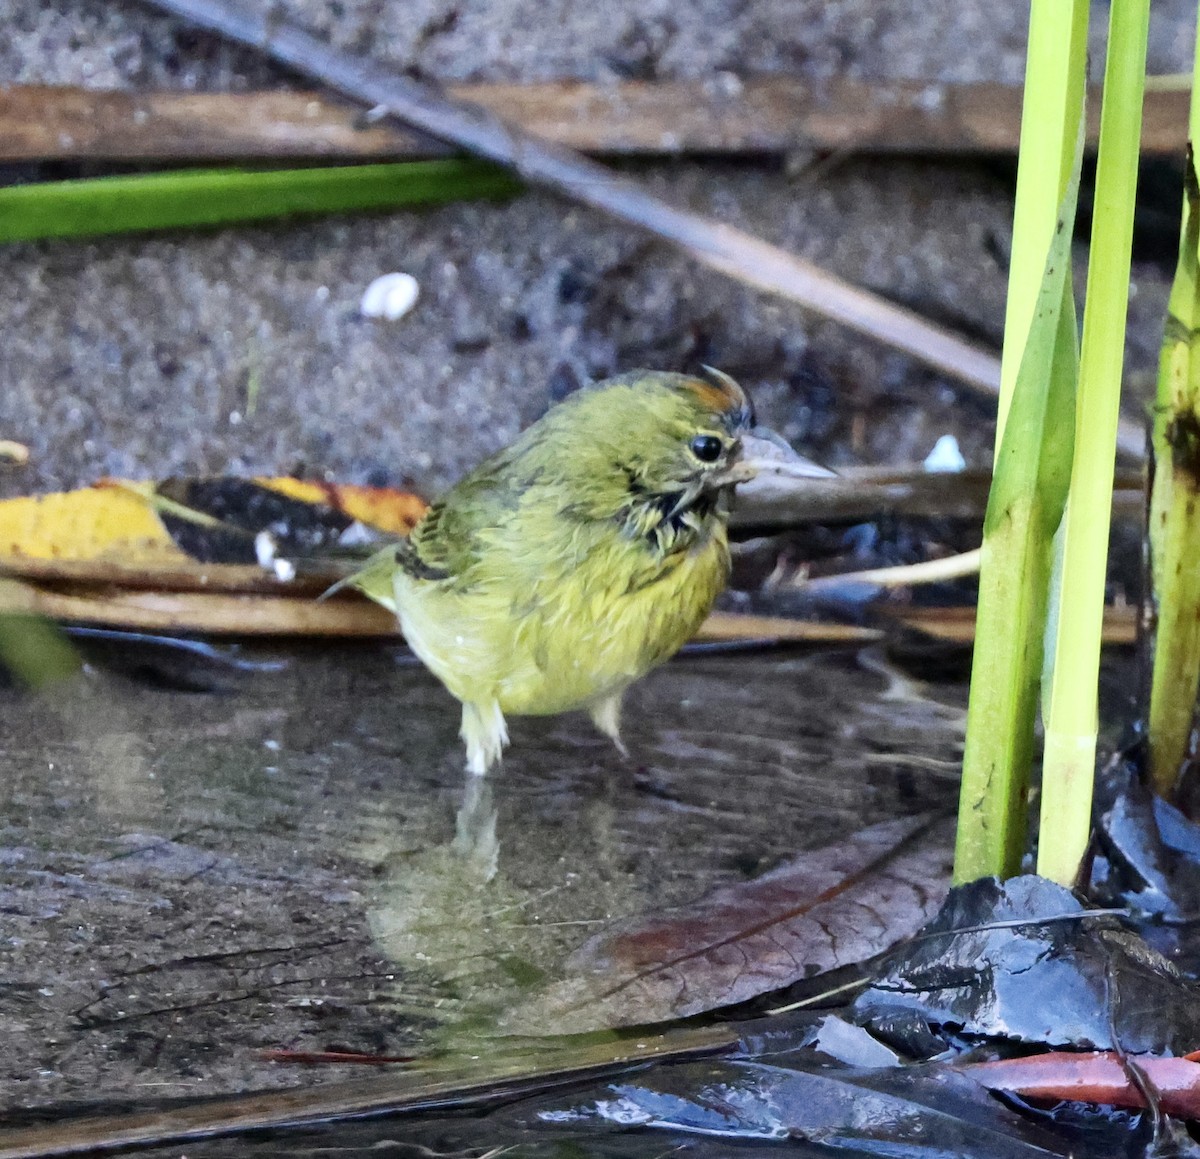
[760,116]
[731,251]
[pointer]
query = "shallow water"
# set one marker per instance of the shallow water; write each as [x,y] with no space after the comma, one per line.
[191,879]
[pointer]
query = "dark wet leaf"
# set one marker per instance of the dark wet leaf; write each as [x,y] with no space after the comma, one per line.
[1149,860]
[1096,1077]
[849,1044]
[1084,982]
[828,908]
[902,1112]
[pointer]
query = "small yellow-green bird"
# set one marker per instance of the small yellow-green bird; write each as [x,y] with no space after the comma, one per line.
[568,565]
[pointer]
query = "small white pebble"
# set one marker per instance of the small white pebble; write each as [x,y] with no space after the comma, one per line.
[390,296]
[945,456]
[265,548]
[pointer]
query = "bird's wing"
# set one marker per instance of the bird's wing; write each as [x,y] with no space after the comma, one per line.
[445,543]
[453,534]
[422,557]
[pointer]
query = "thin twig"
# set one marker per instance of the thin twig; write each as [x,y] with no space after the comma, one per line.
[928,571]
[722,247]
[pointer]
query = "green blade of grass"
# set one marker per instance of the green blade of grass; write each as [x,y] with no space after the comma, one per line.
[207,197]
[1071,723]
[1055,84]
[1025,506]
[1033,450]
[1174,526]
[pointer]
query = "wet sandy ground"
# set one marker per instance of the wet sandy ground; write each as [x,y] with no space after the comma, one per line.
[190,879]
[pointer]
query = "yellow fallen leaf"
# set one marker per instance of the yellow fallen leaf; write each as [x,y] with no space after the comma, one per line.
[100,523]
[181,534]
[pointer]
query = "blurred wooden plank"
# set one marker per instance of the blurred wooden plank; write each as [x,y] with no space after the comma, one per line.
[353,618]
[240,615]
[958,624]
[766,115]
[255,614]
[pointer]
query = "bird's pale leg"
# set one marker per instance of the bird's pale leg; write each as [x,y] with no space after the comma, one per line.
[485,735]
[606,716]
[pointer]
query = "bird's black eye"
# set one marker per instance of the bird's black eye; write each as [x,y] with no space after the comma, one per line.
[707,448]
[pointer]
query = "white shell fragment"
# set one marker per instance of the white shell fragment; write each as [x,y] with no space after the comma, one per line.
[945,458]
[390,296]
[266,549]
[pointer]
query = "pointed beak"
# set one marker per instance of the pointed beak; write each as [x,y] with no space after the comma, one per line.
[766,453]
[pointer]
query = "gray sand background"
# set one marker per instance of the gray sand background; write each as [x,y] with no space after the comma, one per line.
[133,356]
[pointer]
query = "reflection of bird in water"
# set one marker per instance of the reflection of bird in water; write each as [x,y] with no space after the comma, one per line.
[566,566]
[475,827]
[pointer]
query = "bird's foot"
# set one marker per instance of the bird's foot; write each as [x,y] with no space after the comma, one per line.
[606,716]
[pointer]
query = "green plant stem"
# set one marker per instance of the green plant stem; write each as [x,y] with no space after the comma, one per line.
[1174,525]
[1033,452]
[1071,725]
[210,197]
[1055,83]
